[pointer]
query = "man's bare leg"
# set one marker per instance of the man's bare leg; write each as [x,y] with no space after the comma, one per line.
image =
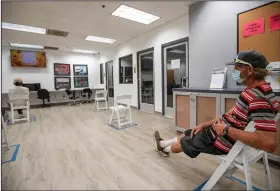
[174,147]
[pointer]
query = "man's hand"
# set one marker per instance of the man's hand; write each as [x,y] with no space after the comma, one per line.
[196,129]
[220,128]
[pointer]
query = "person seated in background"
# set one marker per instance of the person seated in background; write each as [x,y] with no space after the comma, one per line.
[17,91]
[256,103]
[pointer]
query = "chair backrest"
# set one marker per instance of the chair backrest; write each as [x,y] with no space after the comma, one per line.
[101,93]
[43,94]
[18,94]
[125,99]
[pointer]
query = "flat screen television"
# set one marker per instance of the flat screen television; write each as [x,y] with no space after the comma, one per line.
[22,58]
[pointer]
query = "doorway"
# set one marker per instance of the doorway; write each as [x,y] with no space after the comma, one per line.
[110,78]
[175,72]
[145,66]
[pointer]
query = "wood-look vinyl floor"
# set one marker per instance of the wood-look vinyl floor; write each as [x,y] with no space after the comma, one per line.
[73,148]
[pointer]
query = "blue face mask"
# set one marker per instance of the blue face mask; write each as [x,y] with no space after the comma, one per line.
[236,76]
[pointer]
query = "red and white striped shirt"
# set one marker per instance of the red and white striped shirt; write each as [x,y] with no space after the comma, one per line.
[253,104]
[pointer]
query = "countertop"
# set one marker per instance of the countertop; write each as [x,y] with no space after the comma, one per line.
[208,90]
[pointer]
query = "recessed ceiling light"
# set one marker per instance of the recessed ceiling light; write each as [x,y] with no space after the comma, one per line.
[26,46]
[134,15]
[24,28]
[84,51]
[177,51]
[100,39]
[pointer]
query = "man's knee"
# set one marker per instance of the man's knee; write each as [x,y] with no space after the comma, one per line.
[176,148]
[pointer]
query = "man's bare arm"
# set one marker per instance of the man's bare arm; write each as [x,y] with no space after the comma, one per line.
[264,140]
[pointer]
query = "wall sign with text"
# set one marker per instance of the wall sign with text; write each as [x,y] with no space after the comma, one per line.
[274,22]
[253,28]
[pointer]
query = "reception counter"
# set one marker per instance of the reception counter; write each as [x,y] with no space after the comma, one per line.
[193,106]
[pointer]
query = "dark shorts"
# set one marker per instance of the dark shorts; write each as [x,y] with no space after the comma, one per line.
[202,142]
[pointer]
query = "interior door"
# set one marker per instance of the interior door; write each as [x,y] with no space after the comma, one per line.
[110,79]
[146,81]
[175,73]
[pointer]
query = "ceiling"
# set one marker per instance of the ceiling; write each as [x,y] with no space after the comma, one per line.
[81,19]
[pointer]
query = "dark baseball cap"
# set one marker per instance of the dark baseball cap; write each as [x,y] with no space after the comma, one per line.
[250,57]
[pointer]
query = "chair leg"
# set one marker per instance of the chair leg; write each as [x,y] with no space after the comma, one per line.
[97,105]
[119,120]
[267,172]
[106,104]
[5,132]
[28,112]
[12,113]
[222,168]
[247,171]
[112,115]
[130,118]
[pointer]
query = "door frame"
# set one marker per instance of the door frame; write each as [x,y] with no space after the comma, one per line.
[105,65]
[138,62]
[185,39]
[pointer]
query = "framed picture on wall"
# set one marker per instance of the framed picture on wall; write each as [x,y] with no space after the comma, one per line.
[80,70]
[62,83]
[81,82]
[61,69]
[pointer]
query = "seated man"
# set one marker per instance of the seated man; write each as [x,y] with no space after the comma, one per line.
[256,103]
[19,90]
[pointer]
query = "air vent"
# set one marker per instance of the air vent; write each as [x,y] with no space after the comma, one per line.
[50,48]
[56,33]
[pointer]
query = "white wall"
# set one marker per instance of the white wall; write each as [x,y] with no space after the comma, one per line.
[45,76]
[213,38]
[171,31]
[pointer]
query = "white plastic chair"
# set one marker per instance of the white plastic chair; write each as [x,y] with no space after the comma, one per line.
[100,95]
[240,157]
[3,128]
[124,107]
[19,99]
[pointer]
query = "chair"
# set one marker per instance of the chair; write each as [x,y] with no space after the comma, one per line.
[86,93]
[147,94]
[240,157]
[19,99]
[100,95]
[117,109]
[72,96]
[44,94]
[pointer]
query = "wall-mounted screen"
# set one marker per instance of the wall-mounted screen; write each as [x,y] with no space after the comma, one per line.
[62,83]
[61,69]
[81,82]
[22,58]
[80,70]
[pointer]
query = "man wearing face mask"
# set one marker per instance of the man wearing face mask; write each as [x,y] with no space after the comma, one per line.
[256,103]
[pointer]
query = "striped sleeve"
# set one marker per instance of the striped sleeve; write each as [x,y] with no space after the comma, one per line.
[261,112]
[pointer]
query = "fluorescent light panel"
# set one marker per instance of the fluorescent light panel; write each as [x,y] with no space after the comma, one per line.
[100,39]
[26,46]
[130,13]
[84,51]
[24,28]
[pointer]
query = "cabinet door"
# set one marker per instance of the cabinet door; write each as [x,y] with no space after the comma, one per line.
[229,103]
[183,111]
[205,108]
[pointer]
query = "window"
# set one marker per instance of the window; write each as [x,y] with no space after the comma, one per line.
[101,74]
[126,70]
